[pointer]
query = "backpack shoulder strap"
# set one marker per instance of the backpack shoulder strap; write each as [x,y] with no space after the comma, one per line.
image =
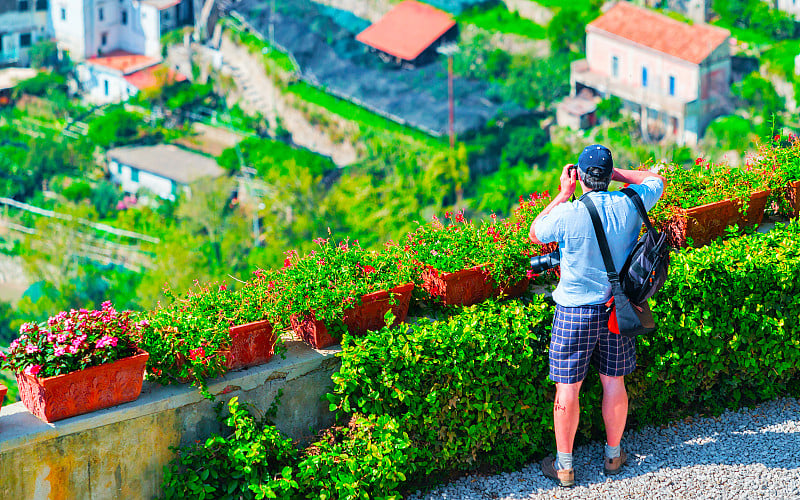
[637,201]
[608,260]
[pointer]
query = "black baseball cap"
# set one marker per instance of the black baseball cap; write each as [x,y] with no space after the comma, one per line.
[598,156]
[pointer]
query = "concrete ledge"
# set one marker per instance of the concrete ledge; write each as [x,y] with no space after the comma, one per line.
[120,452]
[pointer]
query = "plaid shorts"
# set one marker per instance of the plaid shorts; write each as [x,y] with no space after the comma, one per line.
[581,334]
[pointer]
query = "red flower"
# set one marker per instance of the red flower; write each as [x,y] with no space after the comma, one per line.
[196,353]
[776,138]
[698,161]
[368,269]
[222,288]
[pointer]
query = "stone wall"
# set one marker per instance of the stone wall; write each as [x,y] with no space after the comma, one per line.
[120,452]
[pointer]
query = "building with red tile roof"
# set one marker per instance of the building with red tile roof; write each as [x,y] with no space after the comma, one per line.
[118,75]
[410,31]
[673,76]
[123,61]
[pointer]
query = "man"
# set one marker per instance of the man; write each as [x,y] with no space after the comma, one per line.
[580,326]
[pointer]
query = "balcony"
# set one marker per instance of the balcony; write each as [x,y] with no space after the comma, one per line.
[653,99]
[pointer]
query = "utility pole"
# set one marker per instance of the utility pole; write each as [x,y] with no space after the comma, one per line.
[272,47]
[449,49]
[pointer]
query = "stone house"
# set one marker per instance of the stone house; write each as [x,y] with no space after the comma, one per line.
[673,77]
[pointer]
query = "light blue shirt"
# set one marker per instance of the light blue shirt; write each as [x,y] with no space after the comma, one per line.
[584,280]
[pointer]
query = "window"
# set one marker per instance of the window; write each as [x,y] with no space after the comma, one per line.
[25,39]
[103,38]
[671,85]
[124,17]
[134,175]
[105,87]
[100,14]
[63,14]
[23,6]
[41,4]
[615,66]
[644,76]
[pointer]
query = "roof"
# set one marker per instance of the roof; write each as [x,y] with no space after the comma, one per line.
[123,61]
[407,30]
[147,78]
[161,4]
[168,161]
[693,43]
[578,106]
[10,77]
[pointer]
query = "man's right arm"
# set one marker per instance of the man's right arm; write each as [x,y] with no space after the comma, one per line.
[634,176]
[649,191]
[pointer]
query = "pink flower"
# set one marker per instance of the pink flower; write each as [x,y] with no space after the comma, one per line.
[105,341]
[61,338]
[60,351]
[33,370]
[31,348]
[2,355]
[196,353]
[531,274]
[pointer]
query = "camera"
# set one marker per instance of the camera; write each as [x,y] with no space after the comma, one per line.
[542,263]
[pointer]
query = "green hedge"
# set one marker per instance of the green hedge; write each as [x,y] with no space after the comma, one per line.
[468,390]
[473,390]
[728,329]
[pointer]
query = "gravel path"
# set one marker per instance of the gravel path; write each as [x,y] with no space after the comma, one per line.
[751,453]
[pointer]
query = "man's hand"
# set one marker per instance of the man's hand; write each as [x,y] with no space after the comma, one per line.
[569,179]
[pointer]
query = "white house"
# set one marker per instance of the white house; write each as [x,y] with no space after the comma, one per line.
[118,75]
[790,7]
[22,23]
[90,28]
[674,77]
[164,169]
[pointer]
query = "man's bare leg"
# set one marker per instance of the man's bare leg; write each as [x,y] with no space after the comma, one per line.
[615,408]
[566,412]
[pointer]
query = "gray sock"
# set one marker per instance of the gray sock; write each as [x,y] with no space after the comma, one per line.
[612,451]
[563,461]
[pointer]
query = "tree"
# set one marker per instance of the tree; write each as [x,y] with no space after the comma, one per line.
[43,53]
[610,108]
[763,102]
[117,127]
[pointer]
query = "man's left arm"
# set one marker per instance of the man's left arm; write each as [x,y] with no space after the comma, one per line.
[569,178]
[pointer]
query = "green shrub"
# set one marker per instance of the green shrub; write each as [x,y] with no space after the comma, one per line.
[252,461]
[468,390]
[727,324]
[369,459]
[77,191]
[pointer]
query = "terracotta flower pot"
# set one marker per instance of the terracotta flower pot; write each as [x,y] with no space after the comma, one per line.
[83,391]
[462,288]
[3,391]
[252,344]
[358,320]
[705,223]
